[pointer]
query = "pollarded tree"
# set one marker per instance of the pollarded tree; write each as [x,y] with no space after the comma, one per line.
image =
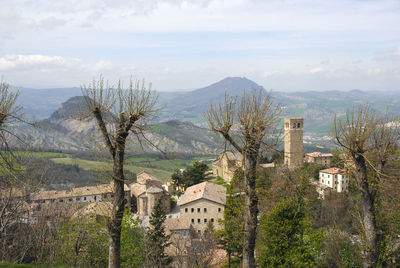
[256,116]
[369,142]
[118,113]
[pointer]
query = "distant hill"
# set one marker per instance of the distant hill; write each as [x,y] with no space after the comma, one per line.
[190,106]
[316,107]
[61,132]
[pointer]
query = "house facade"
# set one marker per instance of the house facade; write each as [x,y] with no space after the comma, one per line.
[334,178]
[146,192]
[318,158]
[203,203]
[226,165]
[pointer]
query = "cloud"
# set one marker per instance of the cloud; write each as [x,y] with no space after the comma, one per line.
[316,70]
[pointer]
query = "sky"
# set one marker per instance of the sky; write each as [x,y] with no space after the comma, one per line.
[285,45]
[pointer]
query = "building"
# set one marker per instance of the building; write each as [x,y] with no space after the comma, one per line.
[226,165]
[228,162]
[146,192]
[293,143]
[334,178]
[203,203]
[318,158]
[98,193]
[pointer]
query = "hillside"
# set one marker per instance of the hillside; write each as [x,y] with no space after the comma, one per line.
[318,108]
[60,132]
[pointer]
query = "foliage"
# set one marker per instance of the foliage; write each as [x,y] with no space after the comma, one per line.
[132,242]
[230,237]
[192,175]
[202,247]
[81,243]
[288,239]
[156,239]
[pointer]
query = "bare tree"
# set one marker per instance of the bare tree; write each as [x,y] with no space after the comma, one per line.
[118,112]
[256,116]
[370,142]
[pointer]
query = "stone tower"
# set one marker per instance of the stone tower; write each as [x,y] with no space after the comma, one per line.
[294,142]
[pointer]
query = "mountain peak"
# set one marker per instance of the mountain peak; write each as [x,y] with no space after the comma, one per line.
[72,107]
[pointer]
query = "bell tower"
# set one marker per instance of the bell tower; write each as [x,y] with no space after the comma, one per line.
[294,142]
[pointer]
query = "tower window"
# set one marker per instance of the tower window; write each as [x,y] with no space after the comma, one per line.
[298,125]
[294,125]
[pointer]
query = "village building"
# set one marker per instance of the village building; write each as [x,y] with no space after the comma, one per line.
[332,179]
[228,162]
[146,192]
[226,165]
[203,203]
[98,193]
[318,158]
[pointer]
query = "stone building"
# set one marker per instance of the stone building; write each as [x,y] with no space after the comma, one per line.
[293,150]
[203,203]
[226,164]
[98,193]
[318,158]
[146,192]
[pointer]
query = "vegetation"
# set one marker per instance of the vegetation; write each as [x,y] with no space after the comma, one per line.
[192,175]
[157,240]
[256,116]
[288,237]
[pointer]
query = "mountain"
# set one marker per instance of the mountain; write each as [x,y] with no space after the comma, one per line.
[61,132]
[191,106]
[318,108]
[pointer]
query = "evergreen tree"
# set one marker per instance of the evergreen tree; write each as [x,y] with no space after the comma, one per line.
[157,240]
[193,174]
[288,239]
[231,237]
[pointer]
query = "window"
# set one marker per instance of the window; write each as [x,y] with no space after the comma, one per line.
[294,125]
[298,125]
[198,221]
[212,219]
[84,198]
[198,210]
[205,220]
[61,200]
[192,210]
[205,210]
[186,210]
[70,199]
[198,231]
[95,197]
[192,220]
[322,181]
[78,199]
[219,209]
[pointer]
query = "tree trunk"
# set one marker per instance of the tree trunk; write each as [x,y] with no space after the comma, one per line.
[368,193]
[114,226]
[250,217]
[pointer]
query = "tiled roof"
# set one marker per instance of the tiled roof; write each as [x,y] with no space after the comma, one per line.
[205,190]
[75,192]
[177,224]
[334,171]
[144,177]
[319,154]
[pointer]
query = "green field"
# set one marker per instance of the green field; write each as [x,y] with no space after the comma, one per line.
[161,169]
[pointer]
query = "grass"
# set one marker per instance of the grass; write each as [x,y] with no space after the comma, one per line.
[104,166]
[41,154]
